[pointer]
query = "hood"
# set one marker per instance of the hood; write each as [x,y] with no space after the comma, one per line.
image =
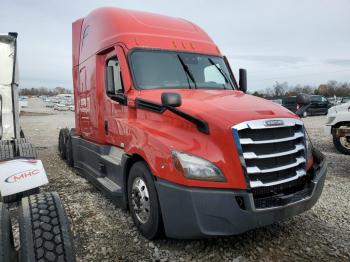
[339,108]
[222,107]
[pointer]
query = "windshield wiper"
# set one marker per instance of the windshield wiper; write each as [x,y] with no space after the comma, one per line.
[188,71]
[227,79]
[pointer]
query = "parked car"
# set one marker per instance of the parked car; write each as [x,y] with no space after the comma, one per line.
[338,126]
[332,101]
[277,101]
[345,99]
[319,104]
[290,103]
[60,107]
[50,105]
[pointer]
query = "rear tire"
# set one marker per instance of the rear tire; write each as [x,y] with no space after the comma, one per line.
[62,138]
[6,150]
[44,230]
[69,151]
[19,196]
[142,199]
[7,249]
[25,149]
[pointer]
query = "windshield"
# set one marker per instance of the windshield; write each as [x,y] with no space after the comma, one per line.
[316,99]
[154,69]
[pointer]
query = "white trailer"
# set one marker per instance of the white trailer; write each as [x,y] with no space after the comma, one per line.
[41,216]
[338,126]
[9,86]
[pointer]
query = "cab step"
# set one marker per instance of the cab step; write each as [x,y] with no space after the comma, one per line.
[110,186]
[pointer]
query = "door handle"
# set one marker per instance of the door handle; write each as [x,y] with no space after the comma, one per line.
[106,127]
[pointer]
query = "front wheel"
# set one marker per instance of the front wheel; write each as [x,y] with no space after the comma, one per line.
[342,144]
[143,201]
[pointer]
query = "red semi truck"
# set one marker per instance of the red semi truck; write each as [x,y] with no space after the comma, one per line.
[164,129]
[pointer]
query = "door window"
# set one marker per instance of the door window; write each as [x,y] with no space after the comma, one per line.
[114,83]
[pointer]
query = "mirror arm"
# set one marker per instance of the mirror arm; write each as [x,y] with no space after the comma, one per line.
[202,125]
[120,98]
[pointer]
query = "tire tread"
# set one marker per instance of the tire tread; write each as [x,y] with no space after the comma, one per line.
[44,230]
[7,249]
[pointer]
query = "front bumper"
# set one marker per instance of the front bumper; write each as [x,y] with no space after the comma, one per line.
[198,212]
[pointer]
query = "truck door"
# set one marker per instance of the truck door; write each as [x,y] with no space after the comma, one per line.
[115,117]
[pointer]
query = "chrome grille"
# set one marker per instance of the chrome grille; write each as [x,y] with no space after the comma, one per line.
[272,151]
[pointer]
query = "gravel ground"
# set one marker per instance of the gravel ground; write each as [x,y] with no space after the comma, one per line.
[103,232]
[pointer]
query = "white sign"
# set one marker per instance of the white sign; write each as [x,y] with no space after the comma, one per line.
[20,175]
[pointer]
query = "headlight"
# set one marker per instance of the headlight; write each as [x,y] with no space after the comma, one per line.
[193,167]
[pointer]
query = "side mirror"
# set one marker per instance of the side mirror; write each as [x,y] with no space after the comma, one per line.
[171,99]
[243,80]
[303,100]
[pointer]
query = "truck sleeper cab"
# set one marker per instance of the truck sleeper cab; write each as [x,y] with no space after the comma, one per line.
[163,128]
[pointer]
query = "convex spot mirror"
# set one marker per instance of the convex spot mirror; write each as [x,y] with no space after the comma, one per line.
[171,99]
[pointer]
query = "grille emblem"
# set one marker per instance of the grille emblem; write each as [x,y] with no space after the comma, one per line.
[274,122]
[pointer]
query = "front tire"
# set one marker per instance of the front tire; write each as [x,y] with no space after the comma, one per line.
[143,201]
[342,144]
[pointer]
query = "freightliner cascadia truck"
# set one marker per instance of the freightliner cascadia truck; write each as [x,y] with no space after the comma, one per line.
[165,130]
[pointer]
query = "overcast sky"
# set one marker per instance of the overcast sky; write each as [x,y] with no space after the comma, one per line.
[301,42]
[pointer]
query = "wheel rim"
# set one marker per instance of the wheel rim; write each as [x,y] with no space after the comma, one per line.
[140,200]
[344,141]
